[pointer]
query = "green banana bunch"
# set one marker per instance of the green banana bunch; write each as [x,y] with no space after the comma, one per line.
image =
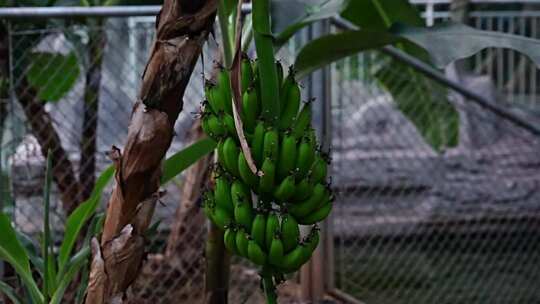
[261,214]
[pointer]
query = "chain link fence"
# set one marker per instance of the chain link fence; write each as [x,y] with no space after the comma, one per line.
[412,223]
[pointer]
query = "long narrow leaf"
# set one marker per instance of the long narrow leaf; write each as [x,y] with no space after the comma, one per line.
[452,41]
[289,16]
[14,253]
[80,216]
[330,48]
[48,281]
[73,268]
[9,292]
[181,160]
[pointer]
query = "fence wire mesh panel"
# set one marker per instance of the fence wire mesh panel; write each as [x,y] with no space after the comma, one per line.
[415,224]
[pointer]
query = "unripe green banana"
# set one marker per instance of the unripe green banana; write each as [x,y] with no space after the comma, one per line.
[290,232]
[302,191]
[242,242]
[243,215]
[216,127]
[271,145]
[285,88]
[229,238]
[204,124]
[266,184]
[258,229]
[215,101]
[245,172]
[255,253]
[318,170]
[224,90]
[247,73]
[272,228]
[287,156]
[228,121]
[302,121]
[291,104]
[222,218]
[293,260]
[318,215]
[240,193]
[304,208]
[223,195]
[250,109]
[285,190]
[258,143]
[221,158]
[279,70]
[230,153]
[304,159]
[276,253]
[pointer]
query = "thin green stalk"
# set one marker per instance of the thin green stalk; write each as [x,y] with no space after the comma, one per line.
[269,288]
[46,228]
[225,34]
[217,267]
[267,67]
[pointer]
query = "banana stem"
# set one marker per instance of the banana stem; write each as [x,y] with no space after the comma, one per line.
[269,288]
[267,67]
[225,34]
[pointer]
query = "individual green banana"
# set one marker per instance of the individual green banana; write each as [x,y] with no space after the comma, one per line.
[224,90]
[250,109]
[242,242]
[245,172]
[240,193]
[302,191]
[221,158]
[272,228]
[285,190]
[292,104]
[318,170]
[292,261]
[276,253]
[223,195]
[287,156]
[302,121]
[243,214]
[204,123]
[228,121]
[290,232]
[229,238]
[247,73]
[222,218]
[258,229]
[304,208]
[255,253]
[258,143]
[215,101]
[271,144]
[230,154]
[216,127]
[318,215]
[304,159]
[266,183]
[279,69]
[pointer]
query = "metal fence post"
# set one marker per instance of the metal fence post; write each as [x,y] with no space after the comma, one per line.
[316,277]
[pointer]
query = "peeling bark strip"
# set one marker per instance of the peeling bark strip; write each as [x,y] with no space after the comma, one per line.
[47,137]
[182,28]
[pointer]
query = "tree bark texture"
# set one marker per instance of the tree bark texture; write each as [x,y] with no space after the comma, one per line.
[87,170]
[182,28]
[43,129]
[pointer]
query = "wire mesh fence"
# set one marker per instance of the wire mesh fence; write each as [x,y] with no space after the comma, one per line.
[412,223]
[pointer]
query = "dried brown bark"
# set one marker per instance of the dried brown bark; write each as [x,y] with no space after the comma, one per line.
[182,28]
[48,139]
[96,43]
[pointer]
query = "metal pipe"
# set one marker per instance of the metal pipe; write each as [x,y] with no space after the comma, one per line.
[437,76]
[84,11]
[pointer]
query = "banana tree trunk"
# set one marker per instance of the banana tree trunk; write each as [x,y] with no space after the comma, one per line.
[96,44]
[217,268]
[182,28]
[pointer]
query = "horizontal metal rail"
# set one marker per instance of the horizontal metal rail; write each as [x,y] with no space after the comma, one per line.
[439,77]
[84,11]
